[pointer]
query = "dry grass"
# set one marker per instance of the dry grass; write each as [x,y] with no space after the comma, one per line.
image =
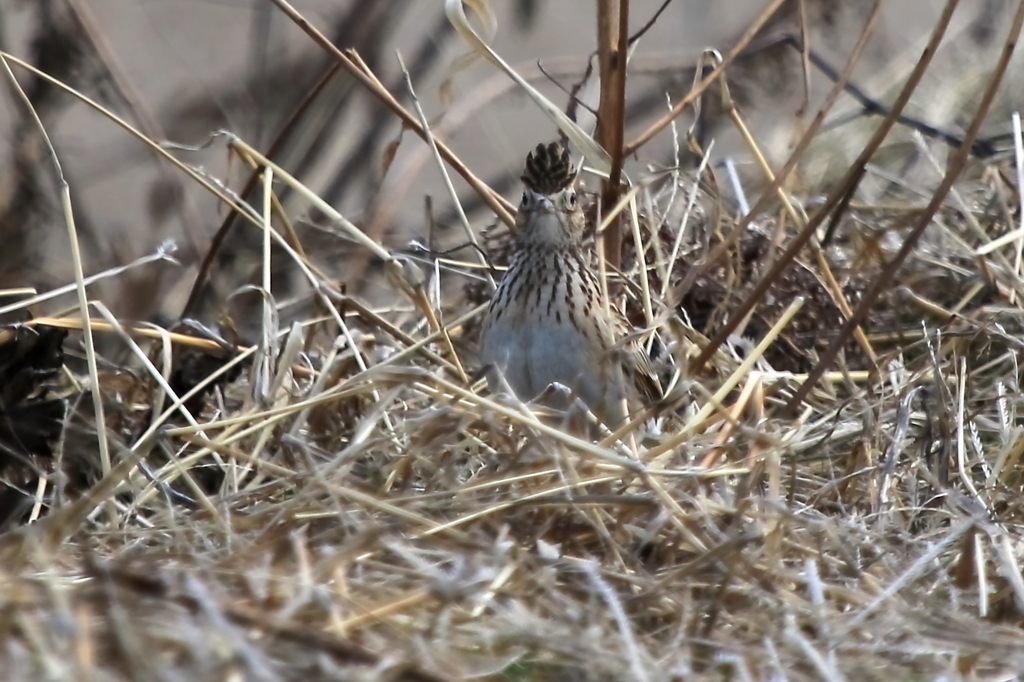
[341,499]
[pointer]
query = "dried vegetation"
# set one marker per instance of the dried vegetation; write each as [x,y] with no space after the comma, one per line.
[326,491]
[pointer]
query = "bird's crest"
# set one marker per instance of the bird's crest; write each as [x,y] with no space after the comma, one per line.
[548,169]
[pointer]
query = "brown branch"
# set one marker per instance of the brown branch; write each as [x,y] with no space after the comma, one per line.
[956,165]
[494,201]
[612,44]
[838,197]
[203,275]
[691,96]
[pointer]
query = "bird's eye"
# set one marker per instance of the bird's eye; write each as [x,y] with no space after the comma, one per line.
[571,198]
[525,199]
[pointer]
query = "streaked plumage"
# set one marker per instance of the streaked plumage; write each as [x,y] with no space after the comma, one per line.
[546,322]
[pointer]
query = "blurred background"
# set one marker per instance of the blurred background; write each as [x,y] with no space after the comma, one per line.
[181,70]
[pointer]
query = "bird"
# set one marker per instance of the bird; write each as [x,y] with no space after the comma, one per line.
[546,322]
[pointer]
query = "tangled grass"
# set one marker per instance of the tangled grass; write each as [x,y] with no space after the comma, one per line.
[342,499]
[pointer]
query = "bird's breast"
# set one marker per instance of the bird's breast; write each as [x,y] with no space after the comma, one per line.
[544,326]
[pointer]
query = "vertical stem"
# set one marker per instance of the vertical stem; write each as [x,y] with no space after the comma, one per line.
[612,39]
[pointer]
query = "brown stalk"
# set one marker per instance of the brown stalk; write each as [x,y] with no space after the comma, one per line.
[225,228]
[612,46]
[828,279]
[493,200]
[956,165]
[837,200]
[691,96]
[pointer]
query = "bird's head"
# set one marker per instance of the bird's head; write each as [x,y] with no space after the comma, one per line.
[549,211]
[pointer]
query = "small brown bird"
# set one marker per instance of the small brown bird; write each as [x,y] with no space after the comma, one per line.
[546,322]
